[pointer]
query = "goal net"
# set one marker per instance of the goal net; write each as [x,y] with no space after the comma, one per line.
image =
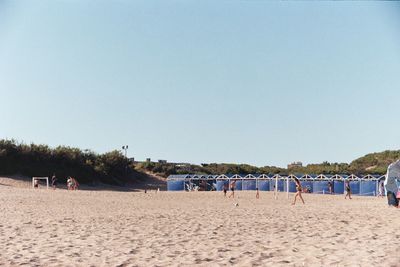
[39,182]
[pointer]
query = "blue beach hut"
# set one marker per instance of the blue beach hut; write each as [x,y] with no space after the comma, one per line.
[238,179]
[292,184]
[263,182]
[307,182]
[176,182]
[368,185]
[272,183]
[354,184]
[221,180]
[249,182]
[321,185]
[338,184]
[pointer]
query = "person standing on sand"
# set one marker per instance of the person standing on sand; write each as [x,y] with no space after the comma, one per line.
[348,190]
[257,194]
[54,181]
[381,190]
[299,190]
[232,185]
[75,184]
[69,183]
[330,188]
[226,185]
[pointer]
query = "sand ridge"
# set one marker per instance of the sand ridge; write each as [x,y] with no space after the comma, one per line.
[106,228]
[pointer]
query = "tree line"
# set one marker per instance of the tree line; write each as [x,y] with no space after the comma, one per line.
[113,168]
[374,163]
[86,166]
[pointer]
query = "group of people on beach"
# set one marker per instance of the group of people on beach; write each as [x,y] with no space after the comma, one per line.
[72,183]
[299,190]
[231,186]
[53,182]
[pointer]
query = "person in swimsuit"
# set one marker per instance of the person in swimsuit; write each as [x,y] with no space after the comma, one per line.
[299,190]
[257,194]
[75,184]
[69,183]
[348,190]
[232,185]
[54,181]
[225,188]
[330,187]
[381,190]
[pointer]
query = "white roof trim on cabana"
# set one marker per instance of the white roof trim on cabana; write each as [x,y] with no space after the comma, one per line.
[276,176]
[306,177]
[199,177]
[223,176]
[353,177]
[368,177]
[337,177]
[178,177]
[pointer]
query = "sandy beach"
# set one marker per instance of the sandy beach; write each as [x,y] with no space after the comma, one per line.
[108,228]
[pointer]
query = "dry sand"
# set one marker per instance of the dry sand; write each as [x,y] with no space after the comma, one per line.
[105,228]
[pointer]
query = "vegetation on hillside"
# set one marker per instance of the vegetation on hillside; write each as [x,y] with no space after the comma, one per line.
[165,169]
[87,166]
[113,168]
[375,163]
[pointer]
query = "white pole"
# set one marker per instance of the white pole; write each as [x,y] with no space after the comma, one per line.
[287,186]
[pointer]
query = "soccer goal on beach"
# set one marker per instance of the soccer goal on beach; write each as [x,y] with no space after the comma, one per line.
[36,180]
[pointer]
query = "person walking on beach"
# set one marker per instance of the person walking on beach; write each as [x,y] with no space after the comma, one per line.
[232,186]
[226,185]
[75,184]
[381,190]
[72,183]
[69,183]
[257,194]
[348,190]
[54,181]
[330,187]
[298,191]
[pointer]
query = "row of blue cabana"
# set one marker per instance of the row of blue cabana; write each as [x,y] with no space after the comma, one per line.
[367,185]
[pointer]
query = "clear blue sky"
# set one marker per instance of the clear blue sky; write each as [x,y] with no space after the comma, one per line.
[257,82]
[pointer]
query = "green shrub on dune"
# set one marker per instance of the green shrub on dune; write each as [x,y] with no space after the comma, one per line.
[375,163]
[87,166]
[113,168]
